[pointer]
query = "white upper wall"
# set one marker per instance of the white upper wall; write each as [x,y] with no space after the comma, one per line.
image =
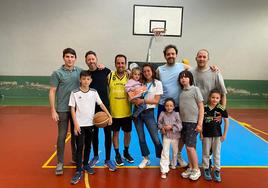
[34,33]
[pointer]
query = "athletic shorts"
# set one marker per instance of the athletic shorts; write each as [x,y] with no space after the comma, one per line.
[124,123]
[189,134]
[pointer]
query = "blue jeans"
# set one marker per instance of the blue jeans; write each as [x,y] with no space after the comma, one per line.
[147,118]
[138,109]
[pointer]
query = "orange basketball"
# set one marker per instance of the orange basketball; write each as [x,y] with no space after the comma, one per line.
[101,119]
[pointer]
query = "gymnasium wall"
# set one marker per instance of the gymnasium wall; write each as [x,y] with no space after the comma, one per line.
[33,34]
[33,91]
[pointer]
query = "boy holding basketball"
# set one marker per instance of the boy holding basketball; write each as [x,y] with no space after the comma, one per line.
[82,102]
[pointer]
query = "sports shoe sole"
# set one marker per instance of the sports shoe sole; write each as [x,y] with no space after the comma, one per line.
[185,176]
[195,178]
[122,164]
[58,173]
[129,160]
[75,182]
[110,169]
[147,164]
[94,164]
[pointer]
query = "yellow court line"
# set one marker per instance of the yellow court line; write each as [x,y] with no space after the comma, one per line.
[54,166]
[54,154]
[250,126]
[49,160]
[255,129]
[246,127]
[86,181]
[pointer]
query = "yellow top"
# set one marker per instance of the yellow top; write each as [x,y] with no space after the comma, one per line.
[119,103]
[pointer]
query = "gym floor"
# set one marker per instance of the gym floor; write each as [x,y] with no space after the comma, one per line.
[28,148]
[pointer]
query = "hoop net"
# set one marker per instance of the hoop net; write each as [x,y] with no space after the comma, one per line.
[158,32]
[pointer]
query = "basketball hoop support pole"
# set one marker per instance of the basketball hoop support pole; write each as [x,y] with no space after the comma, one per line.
[148,58]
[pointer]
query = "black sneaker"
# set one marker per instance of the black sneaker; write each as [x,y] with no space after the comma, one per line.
[89,170]
[128,158]
[77,177]
[118,160]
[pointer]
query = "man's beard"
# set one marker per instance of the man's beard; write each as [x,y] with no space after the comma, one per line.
[171,61]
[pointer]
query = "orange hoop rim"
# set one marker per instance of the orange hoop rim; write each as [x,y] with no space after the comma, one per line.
[158,31]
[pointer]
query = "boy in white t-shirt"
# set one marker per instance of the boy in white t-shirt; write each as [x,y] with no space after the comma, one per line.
[82,102]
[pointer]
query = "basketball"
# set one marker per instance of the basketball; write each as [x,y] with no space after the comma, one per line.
[101,119]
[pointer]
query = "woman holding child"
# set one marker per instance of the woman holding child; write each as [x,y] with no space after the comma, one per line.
[147,118]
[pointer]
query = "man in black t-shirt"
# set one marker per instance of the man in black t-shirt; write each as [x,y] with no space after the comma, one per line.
[99,82]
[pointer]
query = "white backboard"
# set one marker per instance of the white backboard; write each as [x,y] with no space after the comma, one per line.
[147,17]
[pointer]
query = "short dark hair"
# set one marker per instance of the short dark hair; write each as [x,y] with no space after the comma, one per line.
[90,52]
[215,90]
[68,51]
[186,74]
[120,55]
[85,73]
[168,47]
[170,99]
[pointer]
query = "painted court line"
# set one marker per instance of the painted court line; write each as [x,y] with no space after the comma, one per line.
[45,165]
[246,126]
[86,181]
[249,127]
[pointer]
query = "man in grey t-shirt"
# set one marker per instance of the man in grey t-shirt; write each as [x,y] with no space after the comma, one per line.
[62,82]
[206,79]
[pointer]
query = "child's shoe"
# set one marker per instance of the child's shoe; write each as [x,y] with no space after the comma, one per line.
[187,173]
[207,174]
[77,177]
[163,176]
[217,176]
[196,173]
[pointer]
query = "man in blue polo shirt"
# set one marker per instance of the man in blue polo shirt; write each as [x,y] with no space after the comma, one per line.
[62,82]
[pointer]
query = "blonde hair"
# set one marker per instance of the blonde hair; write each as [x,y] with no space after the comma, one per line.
[135,70]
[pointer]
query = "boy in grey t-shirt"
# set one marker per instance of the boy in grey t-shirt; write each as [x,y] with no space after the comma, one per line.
[192,114]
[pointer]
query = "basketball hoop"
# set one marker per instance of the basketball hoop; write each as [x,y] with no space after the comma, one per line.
[158,33]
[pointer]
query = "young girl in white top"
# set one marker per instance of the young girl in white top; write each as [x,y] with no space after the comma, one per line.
[169,122]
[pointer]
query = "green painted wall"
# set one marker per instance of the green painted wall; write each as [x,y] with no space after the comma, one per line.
[33,91]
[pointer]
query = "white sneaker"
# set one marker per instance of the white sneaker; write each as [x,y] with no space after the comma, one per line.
[187,173]
[196,173]
[182,162]
[173,167]
[145,162]
[59,169]
[163,176]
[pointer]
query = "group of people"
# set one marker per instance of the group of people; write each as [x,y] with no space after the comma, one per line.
[189,101]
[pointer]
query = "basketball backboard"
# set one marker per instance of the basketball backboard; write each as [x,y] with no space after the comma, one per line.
[147,17]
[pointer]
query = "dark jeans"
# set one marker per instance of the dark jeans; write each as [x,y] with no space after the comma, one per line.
[64,119]
[83,142]
[147,118]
